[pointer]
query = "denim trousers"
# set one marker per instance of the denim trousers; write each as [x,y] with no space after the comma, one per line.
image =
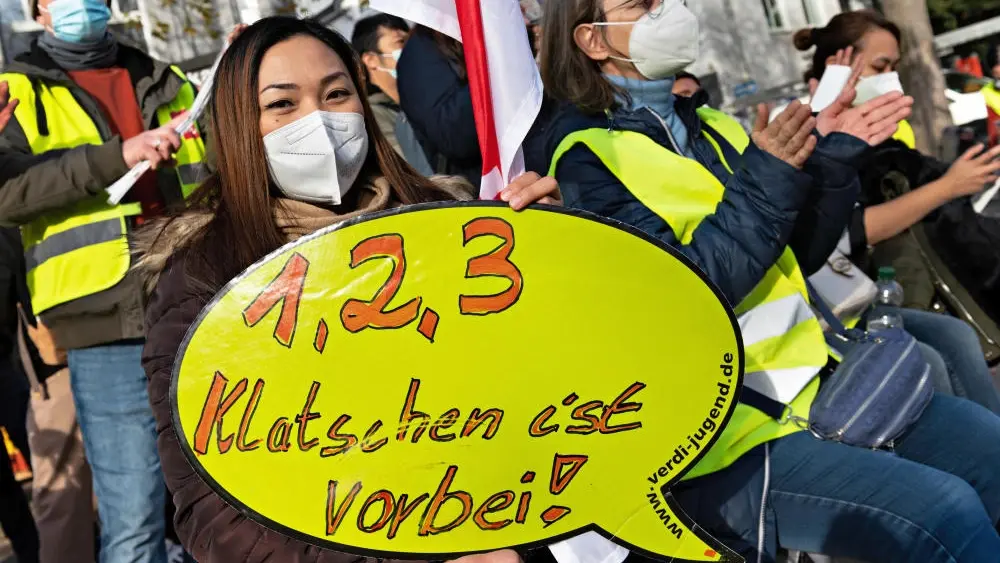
[119,436]
[967,374]
[935,500]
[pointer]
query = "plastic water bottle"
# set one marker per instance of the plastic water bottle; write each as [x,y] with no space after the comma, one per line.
[888,297]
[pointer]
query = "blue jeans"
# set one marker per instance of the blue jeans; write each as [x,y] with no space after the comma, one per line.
[967,374]
[119,436]
[936,500]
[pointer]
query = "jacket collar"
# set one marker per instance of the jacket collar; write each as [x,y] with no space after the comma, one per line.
[149,77]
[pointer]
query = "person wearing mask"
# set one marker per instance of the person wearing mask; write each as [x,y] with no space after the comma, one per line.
[686,84]
[379,39]
[757,215]
[61,492]
[434,94]
[902,187]
[257,202]
[92,108]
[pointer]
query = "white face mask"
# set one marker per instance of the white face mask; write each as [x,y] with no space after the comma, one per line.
[871,87]
[664,41]
[318,157]
[395,57]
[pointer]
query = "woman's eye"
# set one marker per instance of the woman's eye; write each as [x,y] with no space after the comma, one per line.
[278,104]
[338,94]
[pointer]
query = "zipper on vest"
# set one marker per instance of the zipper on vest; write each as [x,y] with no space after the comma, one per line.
[666,129]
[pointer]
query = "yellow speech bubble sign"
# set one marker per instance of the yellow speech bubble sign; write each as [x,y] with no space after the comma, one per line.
[458,378]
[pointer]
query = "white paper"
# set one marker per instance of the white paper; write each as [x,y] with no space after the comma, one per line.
[589,547]
[980,203]
[830,86]
[121,187]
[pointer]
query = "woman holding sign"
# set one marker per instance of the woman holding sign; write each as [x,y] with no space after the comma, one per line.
[298,149]
[757,214]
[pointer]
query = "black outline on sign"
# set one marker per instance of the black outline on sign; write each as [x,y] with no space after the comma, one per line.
[728,555]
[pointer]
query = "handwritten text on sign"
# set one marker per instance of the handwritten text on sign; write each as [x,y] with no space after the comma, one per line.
[461,378]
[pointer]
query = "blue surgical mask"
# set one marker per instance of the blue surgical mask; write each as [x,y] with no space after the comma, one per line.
[79,21]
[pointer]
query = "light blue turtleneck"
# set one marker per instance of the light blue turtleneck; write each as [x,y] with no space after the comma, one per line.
[656,95]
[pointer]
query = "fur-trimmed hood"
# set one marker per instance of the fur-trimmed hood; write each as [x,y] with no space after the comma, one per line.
[155,243]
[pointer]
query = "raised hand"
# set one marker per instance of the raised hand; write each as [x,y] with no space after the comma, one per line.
[789,137]
[7,105]
[874,122]
[972,171]
[842,58]
[236,31]
[157,145]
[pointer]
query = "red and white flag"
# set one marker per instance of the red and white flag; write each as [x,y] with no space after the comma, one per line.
[503,77]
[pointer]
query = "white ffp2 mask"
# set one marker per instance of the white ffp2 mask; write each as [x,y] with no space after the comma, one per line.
[871,87]
[318,157]
[664,41]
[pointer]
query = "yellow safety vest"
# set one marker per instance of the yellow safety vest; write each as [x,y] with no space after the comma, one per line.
[904,134]
[82,249]
[992,97]
[783,341]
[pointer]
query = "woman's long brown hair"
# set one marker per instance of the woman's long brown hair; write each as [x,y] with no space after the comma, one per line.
[568,73]
[241,194]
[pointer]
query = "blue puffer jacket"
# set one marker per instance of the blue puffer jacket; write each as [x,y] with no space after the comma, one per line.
[438,105]
[767,205]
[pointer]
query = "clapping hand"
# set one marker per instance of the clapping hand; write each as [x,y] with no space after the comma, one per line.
[789,137]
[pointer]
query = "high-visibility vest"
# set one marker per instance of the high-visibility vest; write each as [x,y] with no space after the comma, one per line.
[783,341]
[82,249]
[904,134]
[992,97]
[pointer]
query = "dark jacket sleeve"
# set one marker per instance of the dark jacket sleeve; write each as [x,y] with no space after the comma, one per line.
[210,529]
[821,223]
[36,184]
[434,99]
[736,245]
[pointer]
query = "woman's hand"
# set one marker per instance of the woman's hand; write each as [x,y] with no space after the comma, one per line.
[789,137]
[875,121]
[972,171]
[505,556]
[240,28]
[531,188]
[842,58]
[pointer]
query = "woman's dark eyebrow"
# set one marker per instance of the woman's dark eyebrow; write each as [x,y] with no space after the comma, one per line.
[292,86]
[333,76]
[280,86]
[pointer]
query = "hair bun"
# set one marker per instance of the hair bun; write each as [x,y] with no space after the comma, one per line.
[805,39]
